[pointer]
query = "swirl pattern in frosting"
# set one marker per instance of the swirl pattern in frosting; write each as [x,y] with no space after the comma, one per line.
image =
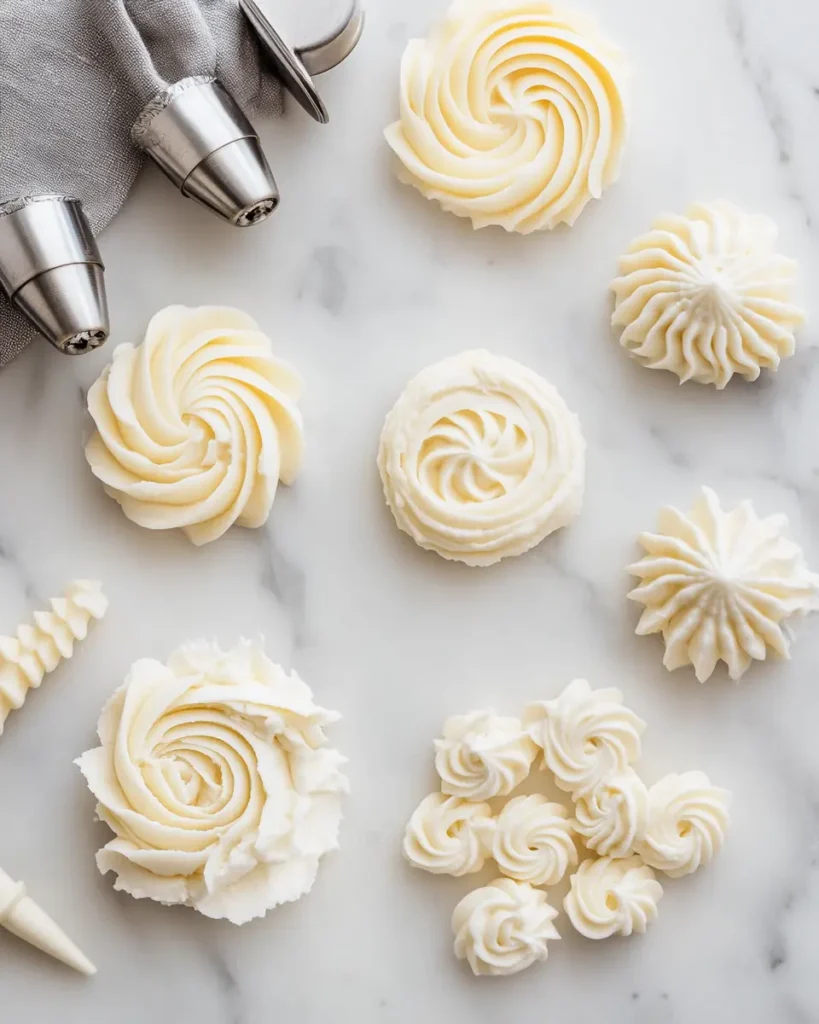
[613,897]
[707,296]
[612,818]
[215,775]
[503,928]
[532,841]
[585,735]
[687,822]
[511,113]
[197,425]
[481,459]
[482,755]
[444,835]
[720,586]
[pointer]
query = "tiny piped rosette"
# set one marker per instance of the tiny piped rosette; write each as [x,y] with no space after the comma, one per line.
[720,586]
[215,775]
[444,835]
[481,459]
[706,296]
[613,897]
[483,755]
[687,821]
[532,840]
[196,427]
[503,928]
[612,818]
[585,735]
[512,113]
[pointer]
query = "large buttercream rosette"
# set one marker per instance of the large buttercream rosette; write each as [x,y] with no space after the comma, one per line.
[215,775]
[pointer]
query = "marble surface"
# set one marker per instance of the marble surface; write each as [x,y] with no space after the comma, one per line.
[361,282]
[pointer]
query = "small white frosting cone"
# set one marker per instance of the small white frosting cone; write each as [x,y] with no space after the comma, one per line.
[21,916]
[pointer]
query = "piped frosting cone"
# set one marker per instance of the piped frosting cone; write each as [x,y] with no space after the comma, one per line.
[21,916]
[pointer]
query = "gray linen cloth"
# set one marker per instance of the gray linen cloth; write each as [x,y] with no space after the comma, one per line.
[74,75]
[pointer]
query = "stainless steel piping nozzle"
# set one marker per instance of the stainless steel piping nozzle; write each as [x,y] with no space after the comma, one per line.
[51,268]
[201,139]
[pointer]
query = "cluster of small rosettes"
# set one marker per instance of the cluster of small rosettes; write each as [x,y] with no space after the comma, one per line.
[588,741]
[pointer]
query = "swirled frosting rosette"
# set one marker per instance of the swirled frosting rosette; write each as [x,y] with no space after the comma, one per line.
[511,113]
[196,426]
[532,840]
[215,775]
[482,755]
[613,897]
[481,459]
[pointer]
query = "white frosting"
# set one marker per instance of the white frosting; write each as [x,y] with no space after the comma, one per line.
[511,113]
[215,775]
[443,835]
[612,818]
[688,819]
[707,296]
[532,841]
[585,735]
[481,459]
[720,585]
[613,897]
[197,425]
[503,928]
[482,755]
[35,650]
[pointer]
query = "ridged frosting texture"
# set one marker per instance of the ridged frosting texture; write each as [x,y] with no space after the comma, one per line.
[511,113]
[215,775]
[444,835]
[532,840]
[707,296]
[196,426]
[720,586]
[503,928]
[585,735]
[37,649]
[613,817]
[613,897]
[481,459]
[482,755]
[688,819]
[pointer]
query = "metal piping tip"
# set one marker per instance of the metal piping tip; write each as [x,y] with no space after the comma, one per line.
[200,138]
[51,269]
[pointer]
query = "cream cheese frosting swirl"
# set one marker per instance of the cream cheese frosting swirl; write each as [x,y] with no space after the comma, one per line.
[215,775]
[503,928]
[707,296]
[532,840]
[612,818]
[480,459]
[444,835]
[687,821]
[511,113]
[197,425]
[482,755]
[585,735]
[613,897]
[720,586]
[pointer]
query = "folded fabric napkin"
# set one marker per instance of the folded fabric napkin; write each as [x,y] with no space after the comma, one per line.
[74,75]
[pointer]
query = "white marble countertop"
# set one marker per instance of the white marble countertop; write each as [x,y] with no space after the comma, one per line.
[361,283]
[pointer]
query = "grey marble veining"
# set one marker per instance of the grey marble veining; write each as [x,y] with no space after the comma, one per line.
[361,283]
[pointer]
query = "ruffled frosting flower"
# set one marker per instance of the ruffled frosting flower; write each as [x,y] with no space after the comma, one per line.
[503,928]
[585,735]
[197,425]
[707,296]
[719,586]
[482,755]
[512,113]
[687,822]
[612,818]
[532,840]
[613,897]
[215,776]
[444,835]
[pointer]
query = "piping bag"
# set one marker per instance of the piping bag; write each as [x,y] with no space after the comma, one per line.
[21,916]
